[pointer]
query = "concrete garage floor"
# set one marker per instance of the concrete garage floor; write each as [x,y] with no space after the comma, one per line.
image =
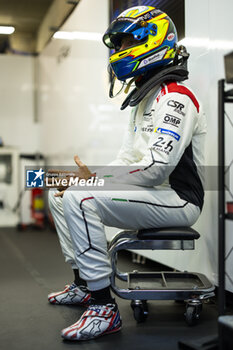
[32,265]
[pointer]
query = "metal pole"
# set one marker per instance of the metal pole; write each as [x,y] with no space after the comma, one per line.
[221,200]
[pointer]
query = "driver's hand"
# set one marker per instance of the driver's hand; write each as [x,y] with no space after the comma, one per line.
[82,173]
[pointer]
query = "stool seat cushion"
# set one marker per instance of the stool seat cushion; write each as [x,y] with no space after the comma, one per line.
[175,233]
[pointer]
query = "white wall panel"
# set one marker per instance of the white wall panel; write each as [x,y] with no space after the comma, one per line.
[74,108]
[18,127]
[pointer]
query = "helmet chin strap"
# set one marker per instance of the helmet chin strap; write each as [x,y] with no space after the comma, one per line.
[129,84]
[112,83]
[177,72]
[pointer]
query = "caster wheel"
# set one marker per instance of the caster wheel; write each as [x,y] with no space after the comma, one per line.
[192,314]
[140,310]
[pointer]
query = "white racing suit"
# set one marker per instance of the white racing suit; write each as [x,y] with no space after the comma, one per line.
[164,148]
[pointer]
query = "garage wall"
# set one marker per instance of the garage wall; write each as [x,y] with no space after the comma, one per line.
[214,20]
[17,114]
[74,108]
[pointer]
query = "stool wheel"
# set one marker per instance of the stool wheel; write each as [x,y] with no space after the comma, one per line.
[192,314]
[140,310]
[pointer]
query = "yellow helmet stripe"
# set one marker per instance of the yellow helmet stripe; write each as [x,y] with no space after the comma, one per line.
[158,17]
[131,13]
[135,13]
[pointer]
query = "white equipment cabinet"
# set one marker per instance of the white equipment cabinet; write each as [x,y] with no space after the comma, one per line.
[9,185]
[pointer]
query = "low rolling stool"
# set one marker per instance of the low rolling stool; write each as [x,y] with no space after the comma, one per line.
[190,287]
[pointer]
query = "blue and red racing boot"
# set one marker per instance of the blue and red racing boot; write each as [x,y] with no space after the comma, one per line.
[98,320]
[72,294]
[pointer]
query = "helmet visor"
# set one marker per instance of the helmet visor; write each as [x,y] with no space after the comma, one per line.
[118,27]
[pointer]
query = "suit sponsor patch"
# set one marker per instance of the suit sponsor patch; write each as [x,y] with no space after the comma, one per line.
[163,145]
[148,128]
[167,132]
[178,107]
[171,120]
